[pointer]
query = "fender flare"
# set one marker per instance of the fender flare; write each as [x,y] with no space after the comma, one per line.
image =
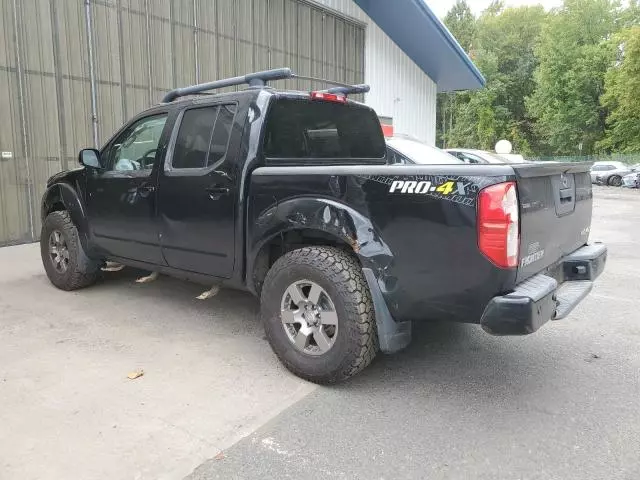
[348,226]
[65,194]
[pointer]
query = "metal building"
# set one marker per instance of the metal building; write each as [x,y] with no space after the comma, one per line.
[72,71]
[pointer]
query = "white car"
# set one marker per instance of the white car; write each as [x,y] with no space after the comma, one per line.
[407,151]
[609,173]
[472,156]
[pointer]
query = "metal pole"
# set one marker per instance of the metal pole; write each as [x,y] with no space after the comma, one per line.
[64,163]
[195,40]
[92,73]
[23,117]
[147,19]
[174,68]
[123,75]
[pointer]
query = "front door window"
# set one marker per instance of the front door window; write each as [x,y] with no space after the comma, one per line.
[135,149]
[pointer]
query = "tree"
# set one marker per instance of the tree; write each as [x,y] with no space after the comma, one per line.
[622,95]
[573,57]
[462,24]
[504,53]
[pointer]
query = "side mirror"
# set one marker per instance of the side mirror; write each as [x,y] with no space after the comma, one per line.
[89,157]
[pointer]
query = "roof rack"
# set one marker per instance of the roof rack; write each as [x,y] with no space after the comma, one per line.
[259,80]
[349,89]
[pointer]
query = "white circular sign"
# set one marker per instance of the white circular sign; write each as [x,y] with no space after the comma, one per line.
[503,147]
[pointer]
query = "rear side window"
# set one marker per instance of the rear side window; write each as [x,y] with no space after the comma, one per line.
[469,158]
[203,136]
[603,168]
[306,129]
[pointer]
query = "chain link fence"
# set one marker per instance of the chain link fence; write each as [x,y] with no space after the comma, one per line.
[627,158]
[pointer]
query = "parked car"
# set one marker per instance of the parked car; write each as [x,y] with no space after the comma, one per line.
[408,151]
[609,173]
[288,195]
[632,180]
[474,157]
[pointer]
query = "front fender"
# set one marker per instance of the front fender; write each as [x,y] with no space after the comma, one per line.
[64,194]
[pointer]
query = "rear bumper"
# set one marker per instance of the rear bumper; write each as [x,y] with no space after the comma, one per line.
[546,296]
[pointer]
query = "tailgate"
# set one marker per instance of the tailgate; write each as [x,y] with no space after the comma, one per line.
[555,213]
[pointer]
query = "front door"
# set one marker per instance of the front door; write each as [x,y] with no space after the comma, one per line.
[197,191]
[121,200]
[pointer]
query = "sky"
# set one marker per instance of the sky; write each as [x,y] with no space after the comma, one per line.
[441,7]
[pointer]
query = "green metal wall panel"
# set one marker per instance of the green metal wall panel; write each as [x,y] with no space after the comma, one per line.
[54,93]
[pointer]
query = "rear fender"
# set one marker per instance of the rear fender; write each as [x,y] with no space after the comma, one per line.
[347,226]
[331,218]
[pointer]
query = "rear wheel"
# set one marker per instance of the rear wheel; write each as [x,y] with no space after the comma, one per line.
[615,180]
[318,314]
[65,261]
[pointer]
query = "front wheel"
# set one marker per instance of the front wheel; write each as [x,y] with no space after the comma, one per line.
[318,314]
[615,180]
[65,261]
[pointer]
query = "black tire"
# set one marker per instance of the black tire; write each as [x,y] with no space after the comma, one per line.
[340,275]
[80,271]
[614,181]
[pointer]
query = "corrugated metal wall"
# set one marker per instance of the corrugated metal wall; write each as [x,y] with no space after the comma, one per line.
[399,88]
[72,71]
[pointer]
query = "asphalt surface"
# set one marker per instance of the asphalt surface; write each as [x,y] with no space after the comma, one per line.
[214,402]
[68,410]
[563,403]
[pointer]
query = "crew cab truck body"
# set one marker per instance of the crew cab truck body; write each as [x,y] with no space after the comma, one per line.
[288,195]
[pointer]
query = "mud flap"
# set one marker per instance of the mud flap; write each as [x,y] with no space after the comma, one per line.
[393,336]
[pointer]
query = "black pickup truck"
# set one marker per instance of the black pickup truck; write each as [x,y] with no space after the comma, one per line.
[288,195]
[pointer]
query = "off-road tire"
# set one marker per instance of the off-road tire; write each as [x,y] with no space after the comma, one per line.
[340,275]
[82,271]
[614,181]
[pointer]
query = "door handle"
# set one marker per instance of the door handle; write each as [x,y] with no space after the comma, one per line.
[146,190]
[216,192]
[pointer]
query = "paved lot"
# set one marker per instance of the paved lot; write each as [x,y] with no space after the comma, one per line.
[67,410]
[563,403]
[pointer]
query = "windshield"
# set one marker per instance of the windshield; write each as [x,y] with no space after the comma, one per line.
[419,152]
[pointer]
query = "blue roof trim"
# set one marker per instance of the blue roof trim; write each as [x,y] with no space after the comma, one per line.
[426,40]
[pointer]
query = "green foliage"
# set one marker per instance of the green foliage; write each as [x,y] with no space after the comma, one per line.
[462,24]
[553,84]
[503,50]
[573,58]
[622,95]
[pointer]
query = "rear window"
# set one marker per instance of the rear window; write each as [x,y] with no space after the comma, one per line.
[420,153]
[306,129]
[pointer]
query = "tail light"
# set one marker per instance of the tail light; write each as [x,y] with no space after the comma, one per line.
[328,97]
[498,224]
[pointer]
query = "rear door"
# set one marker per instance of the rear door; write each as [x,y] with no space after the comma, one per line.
[197,191]
[555,213]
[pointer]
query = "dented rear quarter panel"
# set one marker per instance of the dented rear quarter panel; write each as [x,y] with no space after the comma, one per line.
[421,247]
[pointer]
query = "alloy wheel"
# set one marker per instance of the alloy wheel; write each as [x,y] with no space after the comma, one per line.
[309,317]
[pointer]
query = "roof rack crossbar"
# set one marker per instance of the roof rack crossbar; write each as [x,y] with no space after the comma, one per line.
[340,88]
[257,79]
[349,89]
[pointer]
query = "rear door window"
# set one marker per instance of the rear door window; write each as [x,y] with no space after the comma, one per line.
[203,137]
[323,131]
